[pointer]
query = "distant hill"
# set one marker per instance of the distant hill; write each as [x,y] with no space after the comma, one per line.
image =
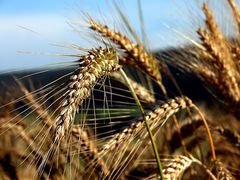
[188,82]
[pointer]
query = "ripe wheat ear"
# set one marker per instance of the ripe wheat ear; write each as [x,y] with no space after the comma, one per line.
[98,63]
[134,54]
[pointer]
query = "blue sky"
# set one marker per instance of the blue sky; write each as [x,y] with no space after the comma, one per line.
[30,28]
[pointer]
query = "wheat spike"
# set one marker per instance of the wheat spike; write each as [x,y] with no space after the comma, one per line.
[211,24]
[155,117]
[214,62]
[122,41]
[135,54]
[226,80]
[236,12]
[98,63]
[176,168]
[215,44]
[221,172]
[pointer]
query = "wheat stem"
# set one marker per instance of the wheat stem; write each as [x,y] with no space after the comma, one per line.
[154,146]
[208,131]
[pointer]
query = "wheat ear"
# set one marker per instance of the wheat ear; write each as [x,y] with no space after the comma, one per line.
[155,117]
[175,169]
[134,54]
[215,44]
[221,171]
[236,12]
[225,80]
[98,63]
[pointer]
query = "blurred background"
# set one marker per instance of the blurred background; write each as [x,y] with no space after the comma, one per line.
[32,31]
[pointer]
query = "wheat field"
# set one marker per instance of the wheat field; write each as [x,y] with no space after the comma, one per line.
[119,110]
